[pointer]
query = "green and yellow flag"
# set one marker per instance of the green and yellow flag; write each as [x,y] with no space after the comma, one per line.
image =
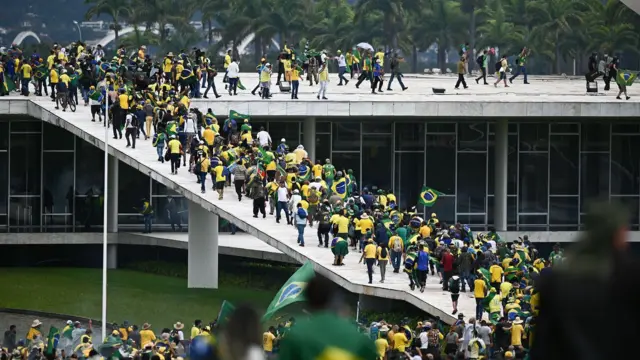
[626,77]
[52,340]
[226,309]
[292,291]
[234,115]
[428,196]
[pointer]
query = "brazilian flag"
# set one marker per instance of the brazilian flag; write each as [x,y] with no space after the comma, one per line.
[42,71]
[226,309]
[52,340]
[9,85]
[187,77]
[234,115]
[428,196]
[339,188]
[625,77]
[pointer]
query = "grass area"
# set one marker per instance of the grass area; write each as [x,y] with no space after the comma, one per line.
[134,296]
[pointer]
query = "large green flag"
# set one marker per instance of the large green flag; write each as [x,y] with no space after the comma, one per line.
[67,332]
[428,196]
[486,276]
[226,309]
[626,77]
[234,115]
[52,340]
[292,291]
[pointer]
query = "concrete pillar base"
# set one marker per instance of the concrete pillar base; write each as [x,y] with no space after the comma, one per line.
[112,256]
[309,137]
[203,248]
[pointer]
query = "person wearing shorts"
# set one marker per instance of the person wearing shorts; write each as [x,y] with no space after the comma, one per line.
[454,289]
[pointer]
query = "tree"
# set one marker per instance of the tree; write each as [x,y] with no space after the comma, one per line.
[116,9]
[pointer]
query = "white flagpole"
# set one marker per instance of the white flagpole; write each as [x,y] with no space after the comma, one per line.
[106,212]
[358,311]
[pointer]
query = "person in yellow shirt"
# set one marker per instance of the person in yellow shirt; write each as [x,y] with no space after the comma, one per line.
[425,230]
[25,72]
[479,292]
[400,341]
[268,339]
[323,75]
[221,179]
[195,330]
[369,255]
[517,330]
[496,275]
[382,254]
[146,335]
[366,225]
[246,137]
[382,345]
[34,331]
[203,170]
[317,170]
[295,81]
[175,151]
[343,226]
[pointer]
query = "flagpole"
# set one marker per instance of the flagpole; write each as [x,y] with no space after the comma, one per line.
[105,215]
[358,311]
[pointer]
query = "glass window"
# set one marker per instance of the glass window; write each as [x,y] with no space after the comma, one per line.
[449,127]
[441,155]
[409,178]
[89,168]
[567,128]
[564,164]
[625,128]
[4,181]
[445,209]
[256,125]
[57,183]
[472,220]
[57,223]
[534,137]
[56,138]
[163,212]
[409,136]
[376,127]
[25,164]
[512,165]
[160,189]
[512,128]
[323,147]
[346,136]
[323,127]
[24,212]
[130,219]
[472,182]
[632,207]
[26,126]
[594,178]
[290,130]
[533,182]
[89,212]
[595,136]
[4,135]
[472,136]
[533,220]
[563,210]
[133,186]
[375,171]
[625,165]
[348,161]
[511,210]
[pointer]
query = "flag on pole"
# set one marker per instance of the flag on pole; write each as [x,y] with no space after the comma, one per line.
[486,276]
[292,291]
[428,196]
[226,309]
[234,115]
[52,340]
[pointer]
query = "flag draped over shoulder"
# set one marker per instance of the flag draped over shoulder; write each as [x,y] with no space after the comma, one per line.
[486,276]
[9,85]
[428,196]
[41,72]
[234,115]
[292,291]
[339,187]
[265,156]
[226,309]
[52,340]
[626,77]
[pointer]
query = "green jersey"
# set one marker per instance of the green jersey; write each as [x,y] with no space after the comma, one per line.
[329,171]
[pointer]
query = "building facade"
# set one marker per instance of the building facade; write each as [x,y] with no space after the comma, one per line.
[52,181]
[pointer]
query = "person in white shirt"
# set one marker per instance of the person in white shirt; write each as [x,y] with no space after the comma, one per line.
[283,199]
[264,139]
[294,200]
[342,68]
[131,130]
[190,128]
[233,73]
[316,184]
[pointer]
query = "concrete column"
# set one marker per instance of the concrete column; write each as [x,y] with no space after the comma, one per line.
[501,162]
[203,248]
[309,137]
[112,256]
[112,200]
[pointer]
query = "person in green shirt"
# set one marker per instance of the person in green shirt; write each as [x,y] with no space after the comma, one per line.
[329,172]
[482,63]
[521,61]
[325,335]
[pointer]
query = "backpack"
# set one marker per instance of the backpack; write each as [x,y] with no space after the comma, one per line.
[480,60]
[134,121]
[313,196]
[499,65]
[397,245]
[432,336]
[384,252]
[455,286]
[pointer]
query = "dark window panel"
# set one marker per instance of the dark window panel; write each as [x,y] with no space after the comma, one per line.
[533,182]
[564,165]
[410,136]
[377,156]
[512,164]
[56,138]
[130,219]
[512,128]
[89,213]
[534,136]
[4,182]
[565,128]
[444,208]
[346,136]
[533,220]
[57,223]
[449,127]
[471,182]
[346,161]
[476,220]
[26,126]
[323,127]
[25,213]
[25,164]
[441,155]
[472,136]
[409,178]
[323,147]
[625,165]
[4,135]
[563,210]
[595,136]
[89,168]
[133,186]
[179,210]
[564,228]
[160,189]
[511,210]
[594,178]
[631,203]
[289,130]
[57,183]
[376,127]
[625,128]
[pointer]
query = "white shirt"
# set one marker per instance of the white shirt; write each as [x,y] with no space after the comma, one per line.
[94,102]
[263,138]
[282,194]
[316,185]
[233,71]
[190,126]
[424,340]
[293,202]
[494,247]
[128,121]
[180,335]
[342,62]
